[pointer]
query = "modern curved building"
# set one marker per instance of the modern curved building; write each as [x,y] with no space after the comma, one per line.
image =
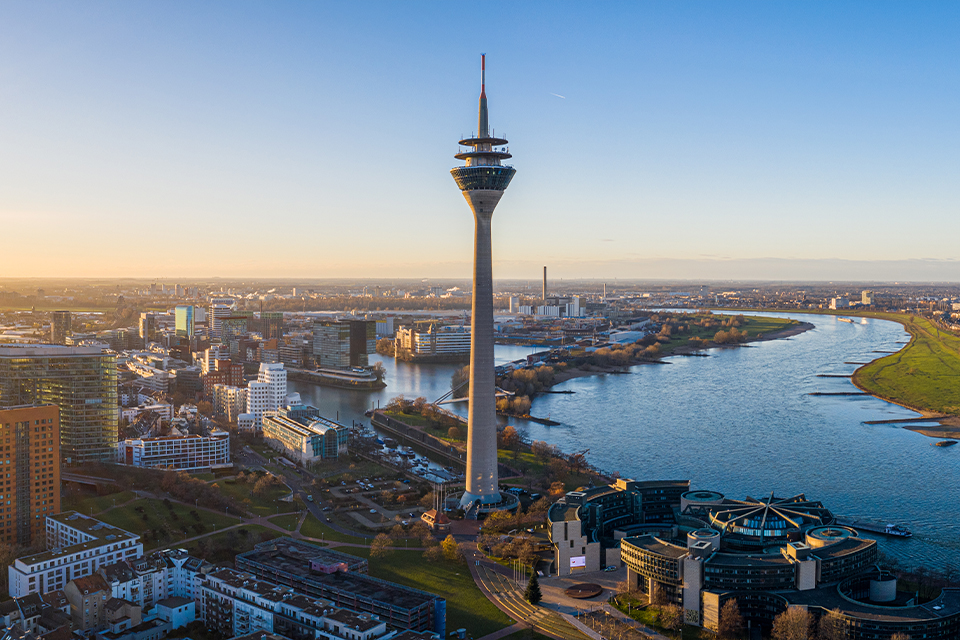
[773,553]
[482,180]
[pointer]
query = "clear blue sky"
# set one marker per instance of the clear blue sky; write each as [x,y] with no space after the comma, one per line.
[699,140]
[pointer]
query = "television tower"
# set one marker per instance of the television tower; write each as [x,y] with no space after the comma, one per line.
[482,180]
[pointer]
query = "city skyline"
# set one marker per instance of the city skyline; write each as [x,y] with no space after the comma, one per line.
[761,142]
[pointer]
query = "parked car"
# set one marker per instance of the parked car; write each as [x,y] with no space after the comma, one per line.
[373,510]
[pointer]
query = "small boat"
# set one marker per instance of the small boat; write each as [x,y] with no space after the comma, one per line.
[945,443]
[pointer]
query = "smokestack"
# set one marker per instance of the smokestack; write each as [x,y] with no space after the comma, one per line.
[544,284]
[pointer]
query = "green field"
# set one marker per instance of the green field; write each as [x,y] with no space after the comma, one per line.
[467,607]
[267,504]
[87,504]
[159,517]
[924,375]
[755,326]
[222,548]
[288,522]
[313,528]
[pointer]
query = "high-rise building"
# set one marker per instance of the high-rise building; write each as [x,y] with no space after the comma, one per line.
[60,327]
[344,344]
[482,181]
[185,323]
[30,477]
[215,315]
[268,393]
[82,381]
[231,329]
[148,329]
[271,324]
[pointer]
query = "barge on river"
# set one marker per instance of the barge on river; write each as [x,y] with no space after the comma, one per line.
[893,530]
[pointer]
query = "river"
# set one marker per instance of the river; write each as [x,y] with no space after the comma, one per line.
[742,422]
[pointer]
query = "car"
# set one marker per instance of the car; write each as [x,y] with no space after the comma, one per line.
[611,568]
[310,498]
[328,520]
[373,510]
[411,515]
[404,522]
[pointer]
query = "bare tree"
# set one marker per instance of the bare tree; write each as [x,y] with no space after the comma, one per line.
[832,626]
[731,622]
[793,624]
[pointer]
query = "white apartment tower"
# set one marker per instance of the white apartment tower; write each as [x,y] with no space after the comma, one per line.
[268,393]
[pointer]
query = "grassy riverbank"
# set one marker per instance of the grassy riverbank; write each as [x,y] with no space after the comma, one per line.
[924,375]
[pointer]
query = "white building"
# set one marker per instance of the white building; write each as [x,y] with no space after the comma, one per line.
[77,546]
[303,435]
[839,303]
[164,409]
[217,312]
[229,402]
[268,393]
[184,453]
[436,341]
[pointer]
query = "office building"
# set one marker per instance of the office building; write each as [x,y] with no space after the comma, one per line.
[226,372]
[148,329]
[268,393]
[866,298]
[30,473]
[232,328]
[585,526]
[482,181]
[185,322]
[81,381]
[77,546]
[773,553]
[216,312]
[303,435]
[235,604]
[183,453]
[344,344]
[340,578]
[60,327]
[437,344]
[271,325]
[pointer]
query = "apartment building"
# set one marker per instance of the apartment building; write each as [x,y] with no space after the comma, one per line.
[303,435]
[183,453]
[29,470]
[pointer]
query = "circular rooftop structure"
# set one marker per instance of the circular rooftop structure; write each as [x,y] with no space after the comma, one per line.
[768,521]
[822,536]
[583,591]
[698,498]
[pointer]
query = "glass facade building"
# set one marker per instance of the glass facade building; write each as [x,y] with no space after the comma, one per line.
[344,344]
[81,381]
[185,324]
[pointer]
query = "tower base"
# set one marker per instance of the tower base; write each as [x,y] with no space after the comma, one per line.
[480,506]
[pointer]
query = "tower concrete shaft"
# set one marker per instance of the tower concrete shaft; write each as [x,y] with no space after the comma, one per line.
[482,181]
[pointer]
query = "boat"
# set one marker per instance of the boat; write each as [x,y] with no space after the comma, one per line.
[945,443]
[886,529]
[845,320]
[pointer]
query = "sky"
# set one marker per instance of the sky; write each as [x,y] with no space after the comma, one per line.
[700,140]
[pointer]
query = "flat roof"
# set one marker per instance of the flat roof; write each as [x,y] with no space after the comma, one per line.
[948,601]
[102,533]
[19,350]
[656,545]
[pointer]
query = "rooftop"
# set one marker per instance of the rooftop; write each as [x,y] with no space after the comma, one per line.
[656,545]
[101,532]
[948,603]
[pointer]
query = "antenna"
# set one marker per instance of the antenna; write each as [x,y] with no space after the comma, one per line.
[483,74]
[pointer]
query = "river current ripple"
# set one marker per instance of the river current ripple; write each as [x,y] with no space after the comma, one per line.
[741,422]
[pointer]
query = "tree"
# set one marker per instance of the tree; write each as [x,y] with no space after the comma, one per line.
[731,622]
[532,594]
[671,617]
[451,550]
[381,546]
[454,433]
[557,489]
[434,554]
[378,369]
[509,437]
[832,626]
[205,408]
[459,382]
[792,624]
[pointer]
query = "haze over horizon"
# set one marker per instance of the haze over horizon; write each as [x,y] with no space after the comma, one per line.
[651,141]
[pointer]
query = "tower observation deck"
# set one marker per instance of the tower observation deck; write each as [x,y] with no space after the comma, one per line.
[482,180]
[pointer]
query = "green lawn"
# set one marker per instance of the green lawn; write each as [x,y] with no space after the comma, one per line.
[161,518]
[467,607]
[267,504]
[95,504]
[924,375]
[755,326]
[648,615]
[313,528]
[288,522]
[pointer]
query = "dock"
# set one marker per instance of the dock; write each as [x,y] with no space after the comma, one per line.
[838,393]
[834,375]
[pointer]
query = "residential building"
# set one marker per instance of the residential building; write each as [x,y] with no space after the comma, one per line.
[839,302]
[30,473]
[449,343]
[232,328]
[81,381]
[866,297]
[77,546]
[225,372]
[184,319]
[340,578]
[303,435]
[60,327]
[88,597]
[229,401]
[183,453]
[344,344]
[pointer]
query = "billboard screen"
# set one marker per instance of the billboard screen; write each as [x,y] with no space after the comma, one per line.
[578,561]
